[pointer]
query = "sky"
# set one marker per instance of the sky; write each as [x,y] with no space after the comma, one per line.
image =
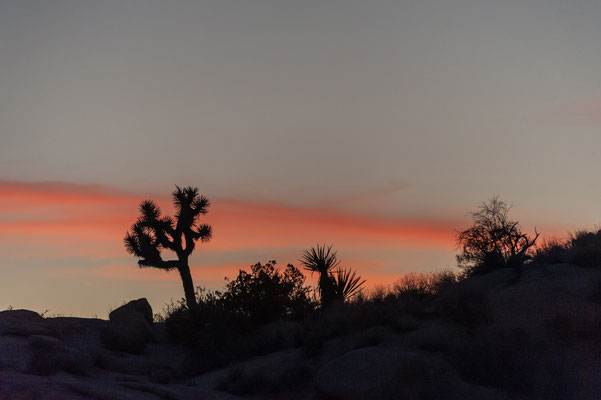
[373,126]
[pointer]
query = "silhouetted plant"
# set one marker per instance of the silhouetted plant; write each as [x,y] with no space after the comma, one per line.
[413,285]
[582,248]
[152,233]
[188,325]
[266,294]
[585,248]
[323,260]
[494,240]
[552,251]
[347,284]
[335,283]
[424,285]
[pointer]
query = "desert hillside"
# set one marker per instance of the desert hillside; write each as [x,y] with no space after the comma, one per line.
[536,335]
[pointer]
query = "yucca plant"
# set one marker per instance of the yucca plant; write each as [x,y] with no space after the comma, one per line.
[152,233]
[347,284]
[323,260]
[335,283]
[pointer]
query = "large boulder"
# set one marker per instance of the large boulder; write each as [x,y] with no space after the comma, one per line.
[389,373]
[50,355]
[140,306]
[20,315]
[130,327]
[362,373]
[23,323]
[14,353]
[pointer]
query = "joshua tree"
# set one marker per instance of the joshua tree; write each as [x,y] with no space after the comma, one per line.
[334,282]
[152,233]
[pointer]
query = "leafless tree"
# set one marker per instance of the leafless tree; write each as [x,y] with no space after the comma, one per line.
[494,240]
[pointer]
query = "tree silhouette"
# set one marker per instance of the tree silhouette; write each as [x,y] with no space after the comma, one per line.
[494,240]
[334,282]
[152,233]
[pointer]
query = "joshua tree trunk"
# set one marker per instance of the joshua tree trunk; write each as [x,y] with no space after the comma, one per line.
[184,272]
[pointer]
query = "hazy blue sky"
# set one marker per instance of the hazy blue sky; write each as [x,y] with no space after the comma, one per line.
[406,110]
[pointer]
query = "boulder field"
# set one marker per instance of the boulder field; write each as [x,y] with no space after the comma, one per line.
[537,336]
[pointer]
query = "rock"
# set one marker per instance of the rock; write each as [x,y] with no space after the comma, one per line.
[23,323]
[21,315]
[140,306]
[130,327]
[19,386]
[14,353]
[124,337]
[50,355]
[361,373]
[385,373]
[123,364]
[160,375]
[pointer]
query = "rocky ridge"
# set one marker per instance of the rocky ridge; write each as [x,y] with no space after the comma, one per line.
[490,337]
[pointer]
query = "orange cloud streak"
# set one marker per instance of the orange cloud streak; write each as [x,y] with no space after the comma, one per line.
[93,219]
[237,224]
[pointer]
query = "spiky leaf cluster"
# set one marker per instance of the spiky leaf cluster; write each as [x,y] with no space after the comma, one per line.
[347,284]
[152,232]
[334,282]
[320,259]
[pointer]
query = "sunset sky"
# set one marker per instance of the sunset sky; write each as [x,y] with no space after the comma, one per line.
[374,126]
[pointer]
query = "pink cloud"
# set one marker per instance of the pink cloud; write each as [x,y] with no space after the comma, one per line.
[90,221]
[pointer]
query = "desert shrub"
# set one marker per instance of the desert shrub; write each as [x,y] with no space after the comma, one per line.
[413,285]
[493,241]
[378,294]
[184,324]
[551,251]
[424,285]
[583,248]
[266,294]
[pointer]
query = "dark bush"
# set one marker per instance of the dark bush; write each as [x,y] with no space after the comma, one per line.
[552,251]
[583,249]
[266,294]
[186,325]
[424,285]
[262,295]
[493,241]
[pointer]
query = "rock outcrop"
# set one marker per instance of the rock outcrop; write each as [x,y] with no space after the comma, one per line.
[50,355]
[130,327]
[487,338]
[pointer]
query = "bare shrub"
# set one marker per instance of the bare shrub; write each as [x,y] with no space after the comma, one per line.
[423,285]
[494,240]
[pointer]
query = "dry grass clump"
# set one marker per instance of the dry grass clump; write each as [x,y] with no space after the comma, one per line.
[582,248]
